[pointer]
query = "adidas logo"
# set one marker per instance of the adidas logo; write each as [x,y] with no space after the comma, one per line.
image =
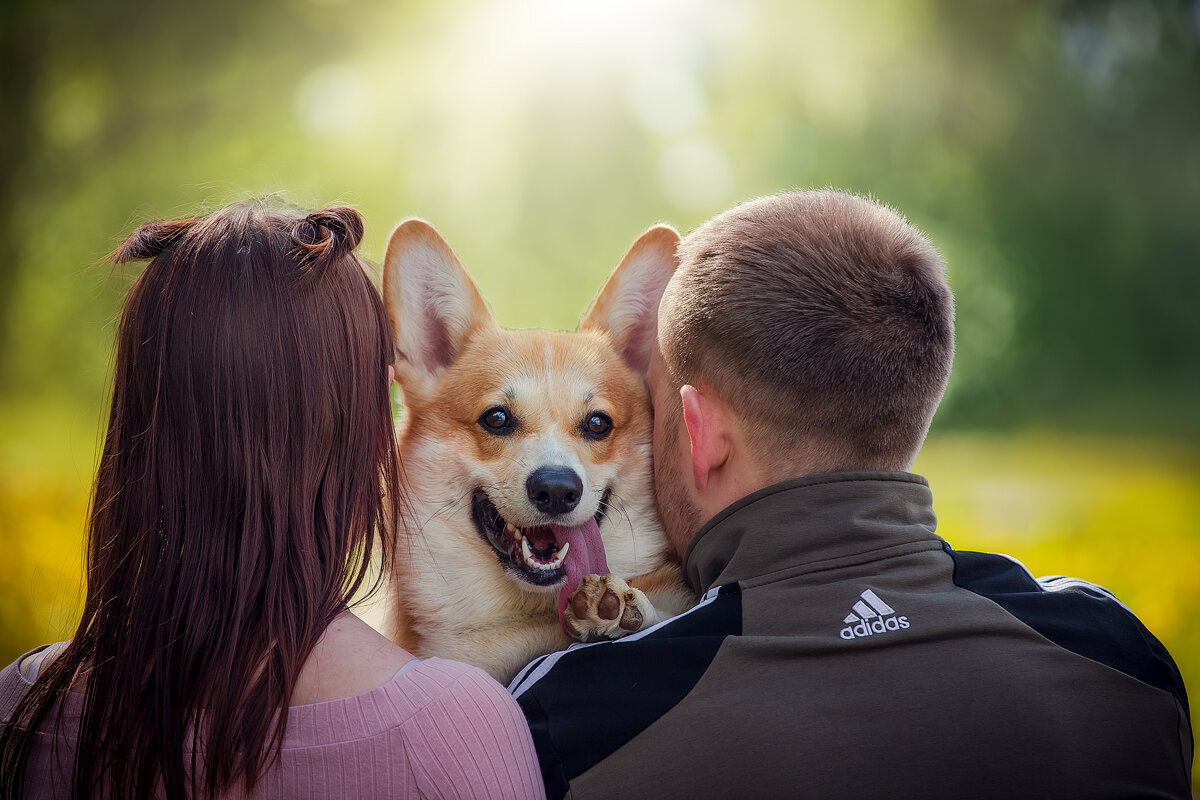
[870,616]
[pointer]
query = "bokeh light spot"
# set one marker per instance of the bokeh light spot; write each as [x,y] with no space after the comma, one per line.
[666,100]
[695,174]
[332,100]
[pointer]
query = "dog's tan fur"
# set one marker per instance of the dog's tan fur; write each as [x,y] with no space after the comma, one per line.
[451,594]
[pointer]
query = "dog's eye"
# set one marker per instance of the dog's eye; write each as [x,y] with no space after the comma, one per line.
[597,425]
[498,420]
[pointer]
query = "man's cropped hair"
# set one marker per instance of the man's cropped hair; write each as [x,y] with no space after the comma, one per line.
[822,318]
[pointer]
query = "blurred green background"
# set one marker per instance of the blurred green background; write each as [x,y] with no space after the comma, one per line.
[1051,149]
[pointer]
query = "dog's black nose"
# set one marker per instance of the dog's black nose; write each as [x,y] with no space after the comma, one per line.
[554,490]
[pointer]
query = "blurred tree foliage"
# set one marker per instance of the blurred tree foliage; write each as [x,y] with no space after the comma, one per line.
[1050,149]
[107,105]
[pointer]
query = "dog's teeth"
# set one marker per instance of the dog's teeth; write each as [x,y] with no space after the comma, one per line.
[512,530]
[548,566]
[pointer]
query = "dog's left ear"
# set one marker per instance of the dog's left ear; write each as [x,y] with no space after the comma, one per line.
[627,306]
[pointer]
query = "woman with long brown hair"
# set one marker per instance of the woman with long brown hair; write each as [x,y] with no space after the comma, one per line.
[248,463]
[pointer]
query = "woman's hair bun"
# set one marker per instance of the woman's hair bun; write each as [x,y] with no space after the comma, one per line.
[332,232]
[151,239]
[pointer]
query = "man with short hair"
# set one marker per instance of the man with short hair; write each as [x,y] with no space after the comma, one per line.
[840,648]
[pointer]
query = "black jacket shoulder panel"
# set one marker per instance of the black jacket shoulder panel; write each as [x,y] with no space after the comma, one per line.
[1076,615]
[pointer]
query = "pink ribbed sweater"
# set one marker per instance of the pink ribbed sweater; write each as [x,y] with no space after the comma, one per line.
[437,729]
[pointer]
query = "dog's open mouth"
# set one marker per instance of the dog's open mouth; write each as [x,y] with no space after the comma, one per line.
[536,554]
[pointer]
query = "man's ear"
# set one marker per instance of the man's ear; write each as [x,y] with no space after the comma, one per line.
[708,430]
[627,306]
[433,304]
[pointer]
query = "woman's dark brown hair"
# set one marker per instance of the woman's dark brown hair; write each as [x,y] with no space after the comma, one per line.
[248,461]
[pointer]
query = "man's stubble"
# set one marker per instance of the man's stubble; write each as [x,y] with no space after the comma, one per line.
[681,518]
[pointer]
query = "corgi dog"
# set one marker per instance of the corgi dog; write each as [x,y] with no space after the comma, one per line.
[525,457]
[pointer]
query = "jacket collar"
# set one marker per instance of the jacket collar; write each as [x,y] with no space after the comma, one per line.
[810,519]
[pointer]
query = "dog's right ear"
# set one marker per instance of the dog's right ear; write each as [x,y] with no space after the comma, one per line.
[433,304]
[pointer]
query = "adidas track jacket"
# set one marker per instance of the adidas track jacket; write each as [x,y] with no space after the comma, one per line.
[843,650]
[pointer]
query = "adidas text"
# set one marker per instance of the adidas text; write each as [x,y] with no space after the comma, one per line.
[871,615]
[865,628]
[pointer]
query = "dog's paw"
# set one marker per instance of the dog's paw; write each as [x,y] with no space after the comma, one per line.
[606,607]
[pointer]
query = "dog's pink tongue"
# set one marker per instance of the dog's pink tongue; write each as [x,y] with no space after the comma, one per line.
[586,557]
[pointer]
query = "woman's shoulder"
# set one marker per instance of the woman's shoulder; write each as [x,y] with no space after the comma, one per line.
[354,665]
[18,677]
[450,684]
[471,728]
[447,728]
[29,665]
[13,686]
[450,690]
[444,673]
